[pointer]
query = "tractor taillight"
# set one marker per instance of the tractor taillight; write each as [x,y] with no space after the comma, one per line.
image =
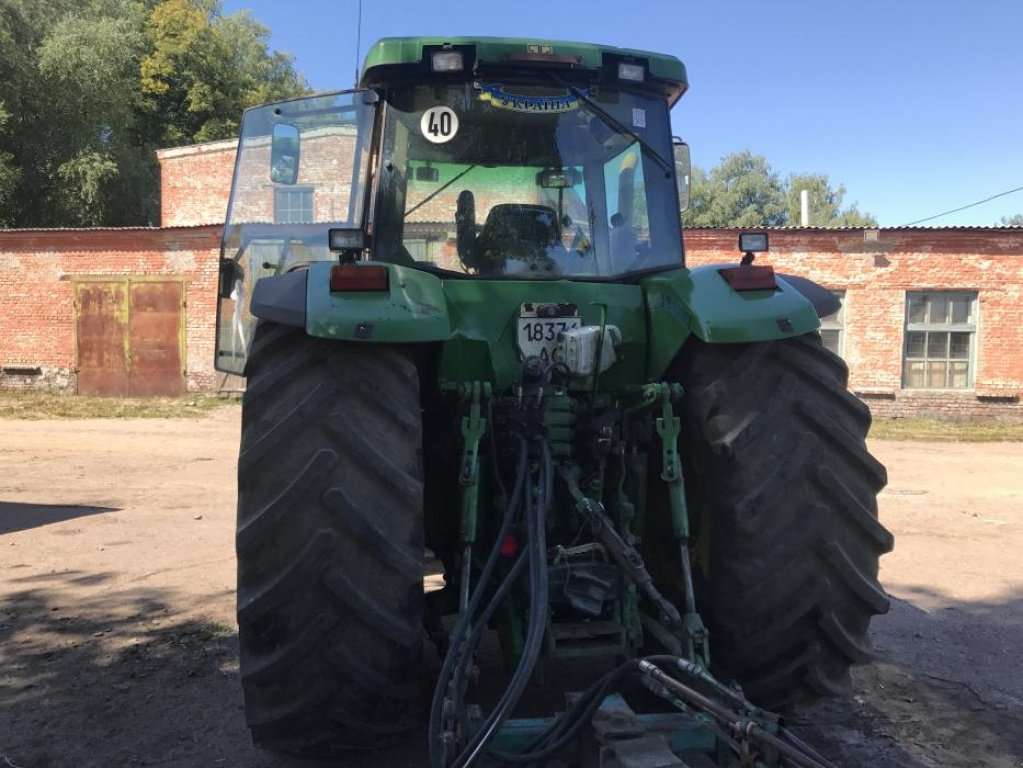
[352,277]
[750,278]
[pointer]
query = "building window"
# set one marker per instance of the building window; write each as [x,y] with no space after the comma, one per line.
[833,327]
[940,333]
[293,206]
[419,248]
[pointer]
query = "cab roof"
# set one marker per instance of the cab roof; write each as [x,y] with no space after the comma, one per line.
[393,55]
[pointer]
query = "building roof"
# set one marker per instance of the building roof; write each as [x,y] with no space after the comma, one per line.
[970,228]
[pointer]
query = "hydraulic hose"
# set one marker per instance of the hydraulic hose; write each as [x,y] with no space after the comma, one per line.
[465,622]
[567,727]
[534,495]
[536,532]
[478,631]
[792,751]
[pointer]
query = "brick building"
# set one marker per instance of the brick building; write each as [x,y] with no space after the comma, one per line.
[113,311]
[931,318]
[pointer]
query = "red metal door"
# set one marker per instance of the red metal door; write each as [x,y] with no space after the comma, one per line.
[154,339]
[102,327]
[129,338]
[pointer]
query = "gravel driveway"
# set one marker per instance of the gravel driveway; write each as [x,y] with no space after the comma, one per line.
[118,642]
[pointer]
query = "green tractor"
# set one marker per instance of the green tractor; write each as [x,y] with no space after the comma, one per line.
[460,299]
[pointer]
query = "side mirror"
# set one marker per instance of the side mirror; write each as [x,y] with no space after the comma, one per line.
[683,170]
[230,273]
[284,154]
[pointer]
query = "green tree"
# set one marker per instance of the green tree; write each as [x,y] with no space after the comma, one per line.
[825,203]
[9,177]
[89,89]
[204,68]
[88,62]
[1016,220]
[25,107]
[743,191]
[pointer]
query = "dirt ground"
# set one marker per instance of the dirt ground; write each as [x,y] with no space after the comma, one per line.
[118,645]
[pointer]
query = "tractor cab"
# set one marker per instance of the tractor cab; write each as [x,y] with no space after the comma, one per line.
[483,159]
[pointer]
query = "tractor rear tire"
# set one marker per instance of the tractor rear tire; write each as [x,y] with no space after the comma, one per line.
[330,543]
[784,493]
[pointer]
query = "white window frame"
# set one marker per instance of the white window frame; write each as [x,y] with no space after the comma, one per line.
[836,322]
[949,327]
[285,214]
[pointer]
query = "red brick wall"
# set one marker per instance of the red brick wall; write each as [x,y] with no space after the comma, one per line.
[38,269]
[876,269]
[195,182]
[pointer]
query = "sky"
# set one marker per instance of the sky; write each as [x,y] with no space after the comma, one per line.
[915,106]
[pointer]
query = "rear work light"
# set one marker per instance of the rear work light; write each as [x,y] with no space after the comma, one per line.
[633,72]
[750,278]
[447,61]
[352,277]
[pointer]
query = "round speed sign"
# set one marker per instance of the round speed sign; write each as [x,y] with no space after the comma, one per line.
[439,124]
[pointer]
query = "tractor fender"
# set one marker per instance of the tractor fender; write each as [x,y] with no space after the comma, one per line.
[281,298]
[698,302]
[823,300]
[412,309]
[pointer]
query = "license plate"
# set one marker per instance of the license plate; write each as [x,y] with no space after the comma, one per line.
[540,324]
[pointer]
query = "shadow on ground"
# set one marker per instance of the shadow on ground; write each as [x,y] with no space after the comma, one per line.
[17,516]
[115,679]
[946,689]
[121,679]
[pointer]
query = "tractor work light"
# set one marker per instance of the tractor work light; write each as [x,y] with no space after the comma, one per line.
[755,242]
[633,72]
[447,61]
[339,239]
[354,277]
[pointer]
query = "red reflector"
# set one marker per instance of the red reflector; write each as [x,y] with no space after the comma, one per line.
[510,545]
[351,277]
[750,278]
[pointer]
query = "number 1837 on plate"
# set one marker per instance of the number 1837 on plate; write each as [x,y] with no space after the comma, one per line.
[540,324]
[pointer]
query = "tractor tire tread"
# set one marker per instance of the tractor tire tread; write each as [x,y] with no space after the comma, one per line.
[779,476]
[330,543]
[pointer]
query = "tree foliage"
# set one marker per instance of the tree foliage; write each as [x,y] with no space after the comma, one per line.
[743,191]
[1016,220]
[89,89]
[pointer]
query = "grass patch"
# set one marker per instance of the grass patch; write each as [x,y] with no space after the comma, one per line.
[44,405]
[212,630]
[938,430]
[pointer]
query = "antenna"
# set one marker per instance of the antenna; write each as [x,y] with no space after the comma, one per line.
[358,43]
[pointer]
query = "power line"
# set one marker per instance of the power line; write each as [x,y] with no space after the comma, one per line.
[963,208]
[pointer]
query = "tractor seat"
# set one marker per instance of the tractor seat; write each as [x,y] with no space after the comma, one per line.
[519,231]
